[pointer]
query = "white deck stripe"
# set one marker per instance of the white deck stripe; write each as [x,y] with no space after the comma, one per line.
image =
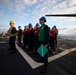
[31,62]
[3,42]
[61,49]
[52,58]
[34,64]
[8,41]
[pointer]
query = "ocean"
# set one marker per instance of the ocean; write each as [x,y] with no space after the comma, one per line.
[68,36]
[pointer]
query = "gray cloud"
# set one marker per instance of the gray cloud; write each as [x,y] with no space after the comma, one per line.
[3,28]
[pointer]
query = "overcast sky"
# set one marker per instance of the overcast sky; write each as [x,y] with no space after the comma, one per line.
[23,12]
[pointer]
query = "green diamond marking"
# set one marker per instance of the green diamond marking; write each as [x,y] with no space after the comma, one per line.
[42,50]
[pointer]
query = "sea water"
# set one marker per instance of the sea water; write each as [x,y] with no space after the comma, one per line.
[68,36]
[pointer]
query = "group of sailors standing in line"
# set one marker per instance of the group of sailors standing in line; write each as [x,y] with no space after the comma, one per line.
[33,38]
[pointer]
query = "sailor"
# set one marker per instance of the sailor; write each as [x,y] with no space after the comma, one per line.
[12,32]
[31,38]
[19,35]
[52,40]
[37,28]
[56,37]
[44,40]
[25,37]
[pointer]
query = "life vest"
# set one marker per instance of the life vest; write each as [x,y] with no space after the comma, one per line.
[56,32]
[31,28]
[31,32]
[20,32]
[25,31]
[37,31]
[41,35]
[12,31]
[52,33]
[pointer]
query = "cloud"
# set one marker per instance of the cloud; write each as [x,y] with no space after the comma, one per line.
[7,4]
[62,28]
[70,19]
[56,7]
[20,7]
[21,16]
[30,1]
[70,30]
[3,28]
[23,9]
[1,14]
[18,1]
[65,7]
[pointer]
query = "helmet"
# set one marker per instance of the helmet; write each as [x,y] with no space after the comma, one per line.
[43,18]
[24,26]
[49,28]
[11,21]
[30,24]
[19,26]
[37,24]
[54,26]
[34,26]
